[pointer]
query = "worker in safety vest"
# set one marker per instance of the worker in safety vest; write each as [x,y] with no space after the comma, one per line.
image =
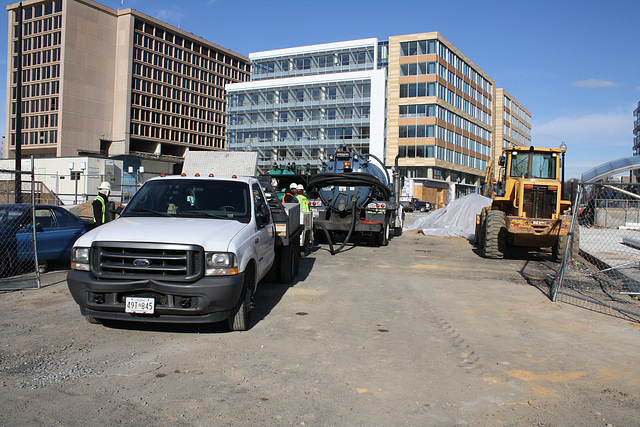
[302,199]
[99,204]
[291,195]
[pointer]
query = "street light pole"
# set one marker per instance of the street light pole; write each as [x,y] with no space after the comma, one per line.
[563,147]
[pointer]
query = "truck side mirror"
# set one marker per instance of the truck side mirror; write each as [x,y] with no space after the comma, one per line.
[502,161]
[262,215]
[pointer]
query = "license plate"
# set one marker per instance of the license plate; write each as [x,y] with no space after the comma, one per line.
[139,305]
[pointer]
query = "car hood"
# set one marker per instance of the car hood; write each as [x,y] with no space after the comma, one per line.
[211,234]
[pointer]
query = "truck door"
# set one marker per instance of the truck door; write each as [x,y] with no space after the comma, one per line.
[265,231]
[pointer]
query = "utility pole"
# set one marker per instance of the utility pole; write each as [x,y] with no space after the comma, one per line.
[18,140]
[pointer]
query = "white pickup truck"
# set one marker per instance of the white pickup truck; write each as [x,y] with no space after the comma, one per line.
[186,249]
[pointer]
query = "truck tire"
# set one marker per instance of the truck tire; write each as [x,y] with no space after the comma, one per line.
[288,264]
[382,238]
[423,208]
[273,275]
[93,320]
[240,318]
[495,235]
[305,250]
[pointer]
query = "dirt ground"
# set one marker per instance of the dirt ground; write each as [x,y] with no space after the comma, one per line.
[421,332]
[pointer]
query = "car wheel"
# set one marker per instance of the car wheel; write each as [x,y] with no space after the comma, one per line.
[5,264]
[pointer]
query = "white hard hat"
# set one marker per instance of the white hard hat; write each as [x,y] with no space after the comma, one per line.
[293,186]
[300,187]
[105,186]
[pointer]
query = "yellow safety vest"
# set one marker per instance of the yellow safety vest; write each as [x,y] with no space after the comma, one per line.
[304,203]
[104,209]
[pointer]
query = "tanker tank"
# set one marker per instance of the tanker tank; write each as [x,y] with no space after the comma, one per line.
[354,197]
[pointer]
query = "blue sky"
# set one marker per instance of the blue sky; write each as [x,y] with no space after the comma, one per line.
[573,64]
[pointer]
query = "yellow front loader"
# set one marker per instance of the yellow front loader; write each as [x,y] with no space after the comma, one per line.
[527,209]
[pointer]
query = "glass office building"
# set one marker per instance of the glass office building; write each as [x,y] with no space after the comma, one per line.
[303,103]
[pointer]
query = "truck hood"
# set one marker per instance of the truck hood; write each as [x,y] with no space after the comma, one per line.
[211,234]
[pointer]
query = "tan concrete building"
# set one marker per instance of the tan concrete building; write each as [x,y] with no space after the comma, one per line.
[440,117]
[114,82]
[512,125]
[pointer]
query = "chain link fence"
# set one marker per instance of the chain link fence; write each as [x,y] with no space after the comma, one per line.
[601,267]
[18,245]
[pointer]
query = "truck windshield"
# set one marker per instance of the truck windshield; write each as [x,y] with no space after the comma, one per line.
[197,198]
[543,165]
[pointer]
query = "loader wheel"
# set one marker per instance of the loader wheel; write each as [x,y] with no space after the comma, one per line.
[558,250]
[495,235]
[479,237]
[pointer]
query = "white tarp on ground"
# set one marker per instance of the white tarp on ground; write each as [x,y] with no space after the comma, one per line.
[456,219]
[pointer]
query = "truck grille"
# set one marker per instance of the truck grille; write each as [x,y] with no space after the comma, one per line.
[116,260]
[539,202]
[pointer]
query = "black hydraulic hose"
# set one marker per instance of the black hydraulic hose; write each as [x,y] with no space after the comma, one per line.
[386,172]
[354,215]
[349,179]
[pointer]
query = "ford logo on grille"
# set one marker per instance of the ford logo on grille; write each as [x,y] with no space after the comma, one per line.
[141,263]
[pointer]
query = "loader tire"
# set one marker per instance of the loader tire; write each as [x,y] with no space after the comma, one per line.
[479,237]
[495,236]
[558,250]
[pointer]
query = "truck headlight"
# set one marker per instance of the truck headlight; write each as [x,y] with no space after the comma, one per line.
[80,259]
[220,264]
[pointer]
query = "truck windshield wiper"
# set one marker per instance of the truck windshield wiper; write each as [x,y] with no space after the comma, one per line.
[150,212]
[202,215]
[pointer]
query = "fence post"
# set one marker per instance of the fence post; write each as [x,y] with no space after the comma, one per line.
[557,283]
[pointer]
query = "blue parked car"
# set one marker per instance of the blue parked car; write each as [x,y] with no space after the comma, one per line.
[56,231]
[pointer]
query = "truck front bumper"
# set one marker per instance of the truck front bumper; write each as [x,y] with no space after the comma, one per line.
[207,300]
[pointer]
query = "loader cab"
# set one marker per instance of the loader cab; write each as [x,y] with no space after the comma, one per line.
[530,173]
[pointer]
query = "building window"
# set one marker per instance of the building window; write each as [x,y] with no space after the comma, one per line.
[413,48]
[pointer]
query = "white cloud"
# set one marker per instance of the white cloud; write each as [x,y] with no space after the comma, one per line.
[609,128]
[594,83]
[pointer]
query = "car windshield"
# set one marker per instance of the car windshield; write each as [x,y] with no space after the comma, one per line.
[197,198]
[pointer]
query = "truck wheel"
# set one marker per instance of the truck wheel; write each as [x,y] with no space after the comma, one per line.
[319,236]
[382,238]
[495,235]
[423,208]
[287,265]
[273,275]
[240,315]
[308,243]
[93,320]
